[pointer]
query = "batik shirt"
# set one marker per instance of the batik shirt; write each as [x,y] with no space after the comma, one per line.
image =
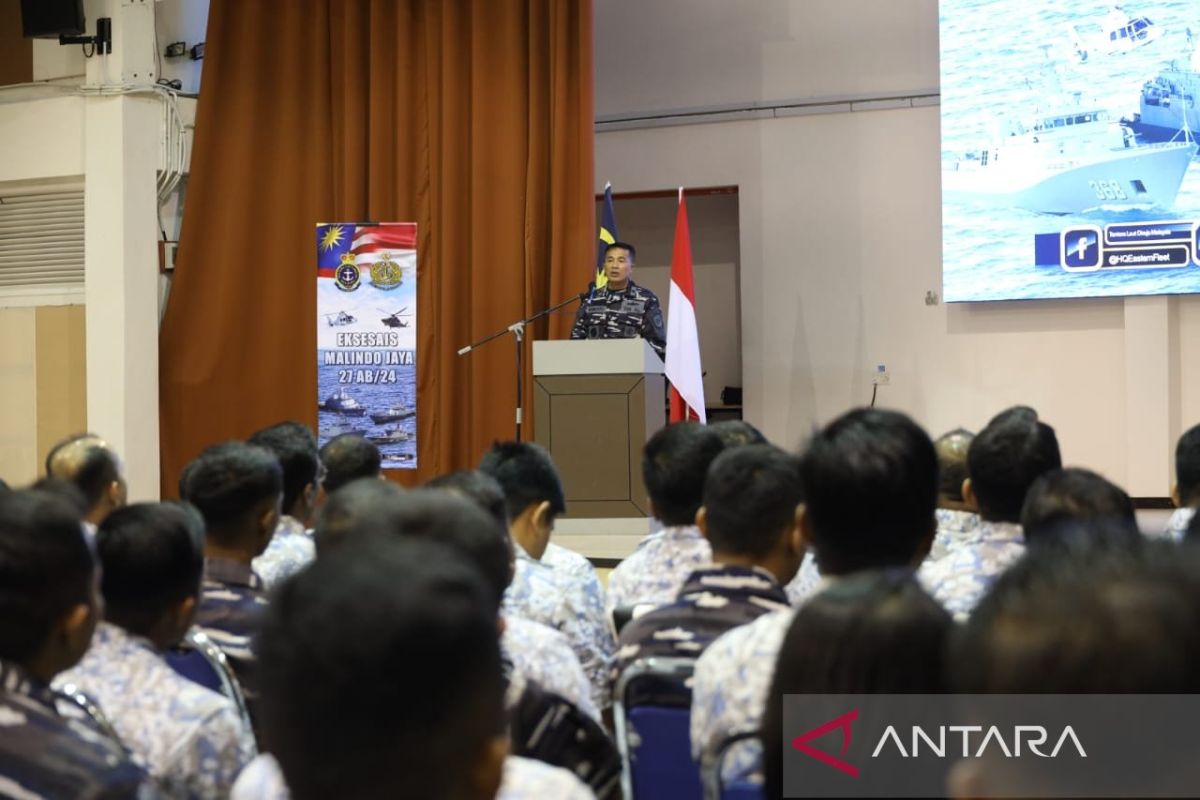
[290,550]
[622,314]
[44,755]
[554,596]
[713,600]
[526,779]
[231,602]
[578,569]
[523,779]
[729,692]
[543,655]
[1177,525]
[654,572]
[808,581]
[960,579]
[953,528]
[192,739]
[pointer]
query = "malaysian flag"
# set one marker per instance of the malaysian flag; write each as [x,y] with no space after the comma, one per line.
[365,245]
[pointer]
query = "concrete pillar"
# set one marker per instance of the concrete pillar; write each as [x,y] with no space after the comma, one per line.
[121,156]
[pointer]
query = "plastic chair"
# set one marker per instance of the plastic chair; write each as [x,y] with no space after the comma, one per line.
[200,661]
[652,715]
[711,773]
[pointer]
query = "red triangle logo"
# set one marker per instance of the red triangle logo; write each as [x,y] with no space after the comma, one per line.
[843,722]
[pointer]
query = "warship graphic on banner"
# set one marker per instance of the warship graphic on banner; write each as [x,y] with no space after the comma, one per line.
[1069,148]
[366,336]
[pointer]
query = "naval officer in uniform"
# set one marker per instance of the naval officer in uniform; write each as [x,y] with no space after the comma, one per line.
[621,309]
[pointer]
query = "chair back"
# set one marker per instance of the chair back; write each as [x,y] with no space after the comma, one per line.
[652,714]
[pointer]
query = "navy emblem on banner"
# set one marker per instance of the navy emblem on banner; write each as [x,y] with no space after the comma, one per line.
[348,274]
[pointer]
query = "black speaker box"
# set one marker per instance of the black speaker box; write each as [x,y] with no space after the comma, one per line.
[48,19]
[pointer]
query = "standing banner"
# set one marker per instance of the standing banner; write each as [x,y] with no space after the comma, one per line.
[367,336]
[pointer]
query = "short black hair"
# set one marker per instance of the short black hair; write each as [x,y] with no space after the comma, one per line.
[737,432]
[347,458]
[527,475]
[675,461]
[152,558]
[229,482]
[1187,466]
[46,568]
[404,627]
[296,448]
[96,469]
[65,490]
[870,489]
[478,486]
[951,451]
[369,508]
[1006,457]
[623,246]
[449,518]
[750,499]
[354,508]
[1074,495]
[876,632]
[1086,617]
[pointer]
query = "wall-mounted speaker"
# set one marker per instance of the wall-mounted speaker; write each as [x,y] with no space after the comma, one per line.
[49,19]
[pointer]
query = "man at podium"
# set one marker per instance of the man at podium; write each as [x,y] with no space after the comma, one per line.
[621,309]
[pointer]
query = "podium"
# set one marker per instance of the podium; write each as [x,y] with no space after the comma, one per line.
[596,402]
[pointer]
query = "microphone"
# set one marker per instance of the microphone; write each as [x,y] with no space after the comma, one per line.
[586,297]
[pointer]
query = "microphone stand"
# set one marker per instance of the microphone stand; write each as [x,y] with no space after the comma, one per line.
[517,329]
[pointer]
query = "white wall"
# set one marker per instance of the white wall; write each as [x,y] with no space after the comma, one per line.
[840,238]
[175,20]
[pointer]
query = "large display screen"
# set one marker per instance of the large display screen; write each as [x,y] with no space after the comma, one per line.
[1069,148]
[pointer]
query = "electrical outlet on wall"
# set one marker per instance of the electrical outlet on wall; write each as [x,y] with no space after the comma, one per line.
[880,375]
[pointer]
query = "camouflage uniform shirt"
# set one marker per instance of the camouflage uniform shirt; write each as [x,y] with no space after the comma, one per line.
[713,600]
[44,755]
[622,314]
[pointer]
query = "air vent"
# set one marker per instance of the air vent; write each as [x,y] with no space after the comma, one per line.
[41,239]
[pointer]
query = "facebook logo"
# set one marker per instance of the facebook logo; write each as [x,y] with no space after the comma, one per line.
[1081,248]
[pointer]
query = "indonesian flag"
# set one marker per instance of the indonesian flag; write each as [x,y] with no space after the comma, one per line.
[683,343]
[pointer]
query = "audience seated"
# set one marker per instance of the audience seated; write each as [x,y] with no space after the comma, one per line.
[90,463]
[48,611]
[347,458]
[876,632]
[290,548]
[750,518]
[956,518]
[407,626]
[238,489]
[1186,492]
[1068,502]
[536,651]
[870,488]
[392,613]
[192,739]
[551,584]
[674,462]
[1088,618]
[547,723]
[1003,461]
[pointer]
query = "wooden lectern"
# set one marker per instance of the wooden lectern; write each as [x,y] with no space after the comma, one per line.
[596,402]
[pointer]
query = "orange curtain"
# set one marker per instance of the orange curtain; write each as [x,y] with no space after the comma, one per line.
[471,117]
